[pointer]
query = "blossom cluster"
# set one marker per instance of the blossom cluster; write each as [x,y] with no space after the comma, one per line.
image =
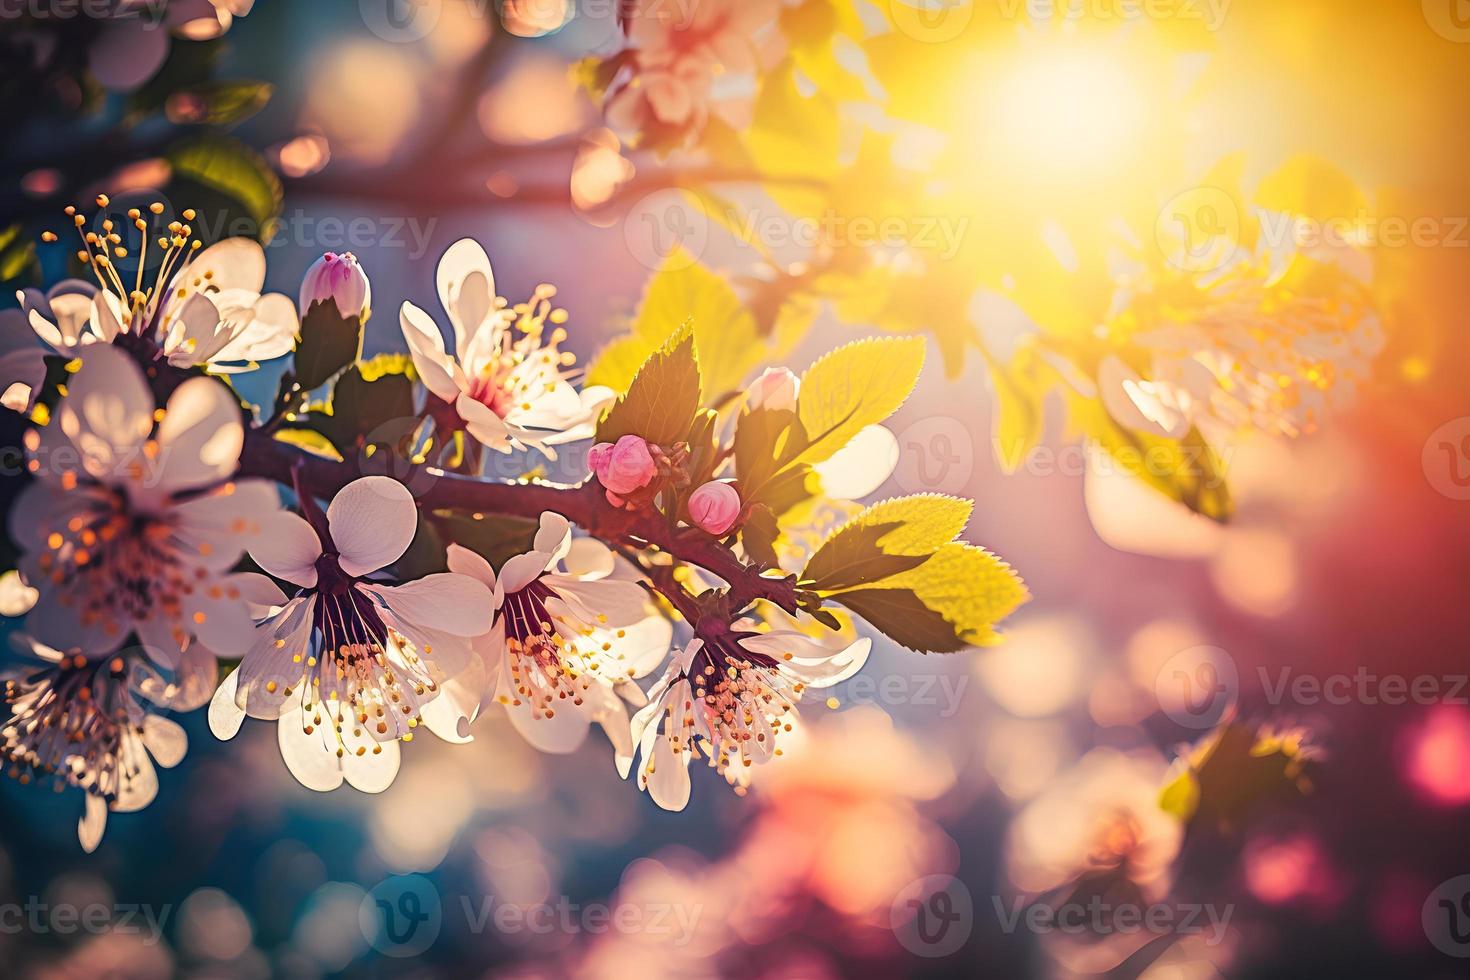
[152,556]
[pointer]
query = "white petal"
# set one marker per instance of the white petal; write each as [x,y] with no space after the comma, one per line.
[861,466]
[108,411]
[93,823]
[521,570]
[563,732]
[426,346]
[231,263]
[488,428]
[288,548]
[668,776]
[263,596]
[307,755]
[200,436]
[466,289]
[225,716]
[554,536]
[372,521]
[455,604]
[222,624]
[16,597]
[166,740]
[463,561]
[450,715]
[270,330]
[608,601]
[589,559]
[106,315]
[374,770]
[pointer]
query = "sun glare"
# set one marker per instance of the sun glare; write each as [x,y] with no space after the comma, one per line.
[1061,110]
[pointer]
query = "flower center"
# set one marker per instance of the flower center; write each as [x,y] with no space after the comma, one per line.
[116,568]
[743,695]
[69,720]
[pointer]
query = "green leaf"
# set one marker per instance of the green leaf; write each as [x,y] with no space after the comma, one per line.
[222,103]
[1180,797]
[230,185]
[309,439]
[329,342]
[365,399]
[765,441]
[902,616]
[758,536]
[1186,469]
[18,263]
[886,539]
[727,342]
[662,400]
[968,586]
[854,386]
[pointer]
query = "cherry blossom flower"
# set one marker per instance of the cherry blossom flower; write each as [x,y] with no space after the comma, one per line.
[348,665]
[714,506]
[202,308]
[131,528]
[731,696]
[775,390]
[622,467]
[214,312]
[506,380]
[679,51]
[1103,816]
[83,722]
[1210,360]
[339,278]
[131,46]
[572,629]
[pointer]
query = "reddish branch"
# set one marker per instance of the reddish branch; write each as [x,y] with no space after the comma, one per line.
[583,505]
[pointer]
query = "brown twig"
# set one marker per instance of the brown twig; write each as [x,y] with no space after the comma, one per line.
[584,505]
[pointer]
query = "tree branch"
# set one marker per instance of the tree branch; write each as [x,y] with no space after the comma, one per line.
[584,505]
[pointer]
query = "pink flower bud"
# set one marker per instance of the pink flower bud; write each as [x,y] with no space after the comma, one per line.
[337,277]
[774,390]
[624,466]
[715,506]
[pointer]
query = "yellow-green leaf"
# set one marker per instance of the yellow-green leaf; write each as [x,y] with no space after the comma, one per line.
[885,539]
[1185,469]
[969,587]
[854,386]
[726,339]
